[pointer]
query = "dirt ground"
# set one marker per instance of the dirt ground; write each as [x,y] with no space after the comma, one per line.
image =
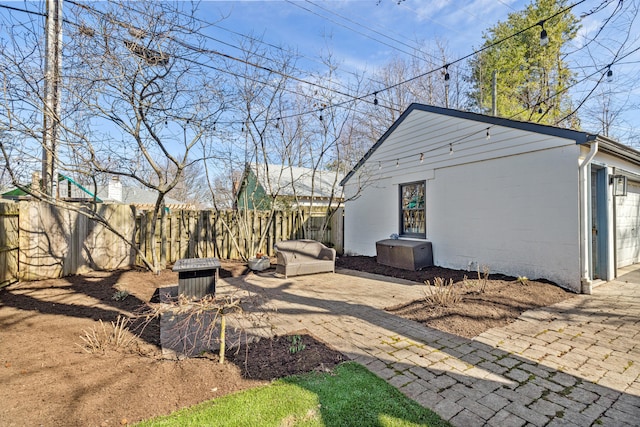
[503,300]
[48,379]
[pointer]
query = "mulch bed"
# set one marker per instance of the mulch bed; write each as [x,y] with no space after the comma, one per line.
[47,379]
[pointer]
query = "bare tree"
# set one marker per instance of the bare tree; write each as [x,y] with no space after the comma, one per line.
[427,77]
[192,187]
[137,97]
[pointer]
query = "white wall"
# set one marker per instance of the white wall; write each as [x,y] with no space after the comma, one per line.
[517,215]
[372,216]
[509,202]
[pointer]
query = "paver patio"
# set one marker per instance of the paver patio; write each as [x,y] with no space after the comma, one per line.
[576,363]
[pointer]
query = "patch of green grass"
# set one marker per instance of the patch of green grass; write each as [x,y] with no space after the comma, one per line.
[350,396]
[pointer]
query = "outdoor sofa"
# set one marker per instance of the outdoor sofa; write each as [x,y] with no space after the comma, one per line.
[297,257]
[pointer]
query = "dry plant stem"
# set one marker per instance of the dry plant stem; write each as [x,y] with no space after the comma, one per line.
[117,338]
[196,322]
[442,293]
[484,279]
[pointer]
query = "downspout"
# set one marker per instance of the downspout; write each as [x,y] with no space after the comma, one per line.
[585,280]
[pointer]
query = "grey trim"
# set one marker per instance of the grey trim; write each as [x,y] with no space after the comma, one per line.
[401,232]
[619,150]
[577,136]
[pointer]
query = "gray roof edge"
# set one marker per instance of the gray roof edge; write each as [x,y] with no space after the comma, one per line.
[614,147]
[578,136]
[294,176]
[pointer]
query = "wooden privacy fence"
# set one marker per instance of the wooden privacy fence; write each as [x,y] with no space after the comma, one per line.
[56,242]
[8,243]
[230,234]
[40,241]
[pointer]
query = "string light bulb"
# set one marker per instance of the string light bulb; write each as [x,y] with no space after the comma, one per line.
[397,162]
[375,98]
[544,37]
[488,134]
[447,77]
[450,148]
[609,74]
[421,157]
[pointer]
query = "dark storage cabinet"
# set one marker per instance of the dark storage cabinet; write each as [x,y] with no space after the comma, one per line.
[405,254]
[197,276]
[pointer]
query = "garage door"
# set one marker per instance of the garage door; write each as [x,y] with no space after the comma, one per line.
[628,226]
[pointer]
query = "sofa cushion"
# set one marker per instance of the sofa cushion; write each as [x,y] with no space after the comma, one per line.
[309,249]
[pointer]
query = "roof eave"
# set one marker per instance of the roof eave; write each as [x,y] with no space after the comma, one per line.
[577,136]
[610,146]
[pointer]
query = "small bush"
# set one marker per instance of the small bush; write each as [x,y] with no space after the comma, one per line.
[482,282]
[103,338]
[484,279]
[442,293]
[296,344]
[120,295]
[523,280]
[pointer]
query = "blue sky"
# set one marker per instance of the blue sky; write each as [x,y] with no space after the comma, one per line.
[361,33]
[364,34]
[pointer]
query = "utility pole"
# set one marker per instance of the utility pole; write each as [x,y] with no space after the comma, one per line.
[494,93]
[52,90]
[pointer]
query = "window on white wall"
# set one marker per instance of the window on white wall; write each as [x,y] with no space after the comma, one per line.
[412,210]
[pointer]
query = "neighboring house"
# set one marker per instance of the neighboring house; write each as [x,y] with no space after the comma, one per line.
[290,187]
[67,188]
[523,199]
[141,198]
[114,192]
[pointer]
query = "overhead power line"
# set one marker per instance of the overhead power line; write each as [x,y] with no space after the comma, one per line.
[360,32]
[350,96]
[17,9]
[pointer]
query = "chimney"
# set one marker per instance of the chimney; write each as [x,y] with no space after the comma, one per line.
[114,191]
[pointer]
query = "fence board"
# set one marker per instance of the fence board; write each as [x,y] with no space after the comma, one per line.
[9,243]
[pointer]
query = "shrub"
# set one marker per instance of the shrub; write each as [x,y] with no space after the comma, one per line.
[442,293]
[296,344]
[103,338]
[120,295]
[484,279]
[482,282]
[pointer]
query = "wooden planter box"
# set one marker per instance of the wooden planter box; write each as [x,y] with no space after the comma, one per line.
[405,254]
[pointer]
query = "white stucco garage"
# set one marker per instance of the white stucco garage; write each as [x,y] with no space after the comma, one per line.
[628,226]
[521,198]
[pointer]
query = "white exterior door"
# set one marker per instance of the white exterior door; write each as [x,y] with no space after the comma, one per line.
[628,226]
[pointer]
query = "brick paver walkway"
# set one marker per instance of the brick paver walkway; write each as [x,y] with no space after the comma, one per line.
[576,363]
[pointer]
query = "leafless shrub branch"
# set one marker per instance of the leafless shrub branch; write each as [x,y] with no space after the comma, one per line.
[195,326]
[442,293]
[118,336]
